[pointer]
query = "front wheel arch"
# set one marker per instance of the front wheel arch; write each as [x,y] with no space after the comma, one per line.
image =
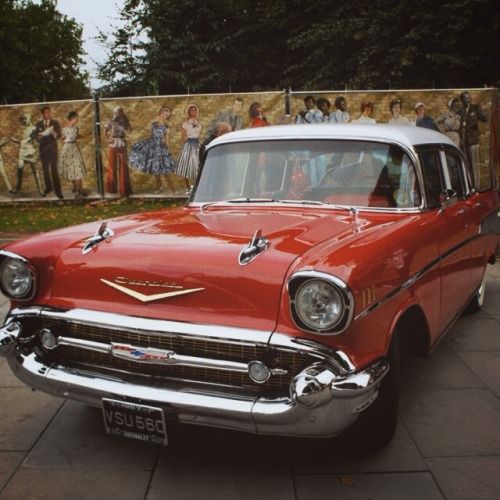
[376,425]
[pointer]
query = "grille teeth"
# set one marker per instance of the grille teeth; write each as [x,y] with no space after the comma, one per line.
[244,353]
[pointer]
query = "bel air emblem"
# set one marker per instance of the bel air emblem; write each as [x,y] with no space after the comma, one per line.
[149,298]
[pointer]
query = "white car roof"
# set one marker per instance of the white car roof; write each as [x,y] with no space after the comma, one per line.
[408,136]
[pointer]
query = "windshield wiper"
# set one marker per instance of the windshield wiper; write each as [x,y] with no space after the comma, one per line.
[251,200]
[303,202]
[238,200]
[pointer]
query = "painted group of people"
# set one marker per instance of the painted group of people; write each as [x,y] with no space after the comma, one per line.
[459,122]
[68,164]
[153,155]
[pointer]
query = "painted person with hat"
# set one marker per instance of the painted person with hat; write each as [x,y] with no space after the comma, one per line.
[188,162]
[448,122]
[423,120]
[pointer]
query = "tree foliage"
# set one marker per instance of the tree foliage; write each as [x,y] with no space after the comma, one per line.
[242,45]
[40,53]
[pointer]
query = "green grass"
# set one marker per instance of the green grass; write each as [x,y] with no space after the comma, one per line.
[34,217]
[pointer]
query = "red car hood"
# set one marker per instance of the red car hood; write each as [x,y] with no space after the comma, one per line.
[184,265]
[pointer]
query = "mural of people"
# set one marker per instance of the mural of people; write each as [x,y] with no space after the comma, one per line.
[470,116]
[47,131]
[423,120]
[448,122]
[152,155]
[307,115]
[71,164]
[115,134]
[3,173]
[230,116]
[323,110]
[396,107]
[27,153]
[189,155]
[367,108]
[220,129]
[340,115]
[256,113]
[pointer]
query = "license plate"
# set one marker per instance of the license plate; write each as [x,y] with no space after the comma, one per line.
[145,423]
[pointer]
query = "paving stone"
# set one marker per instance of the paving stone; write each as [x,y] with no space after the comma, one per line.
[458,422]
[465,478]
[443,369]
[44,484]
[400,454]
[9,462]
[76,439]
[475,334]
[403,486]
[221,475]
[24,415]
[486,366]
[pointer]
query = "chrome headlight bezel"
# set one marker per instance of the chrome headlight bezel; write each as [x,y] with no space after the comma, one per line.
[331,314]
[17,277]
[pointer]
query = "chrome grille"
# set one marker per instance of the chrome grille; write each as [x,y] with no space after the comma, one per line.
[204,348]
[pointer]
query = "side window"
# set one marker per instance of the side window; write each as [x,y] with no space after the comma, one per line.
[433,180]
[455,173]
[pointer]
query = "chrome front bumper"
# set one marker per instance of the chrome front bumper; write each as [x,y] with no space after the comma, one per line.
[322,402]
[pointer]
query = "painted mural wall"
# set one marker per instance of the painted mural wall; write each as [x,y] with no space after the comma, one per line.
[89,147]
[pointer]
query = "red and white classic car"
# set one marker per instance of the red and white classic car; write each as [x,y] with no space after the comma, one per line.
[277,301]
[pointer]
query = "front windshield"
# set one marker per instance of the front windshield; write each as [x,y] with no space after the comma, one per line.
[351,173]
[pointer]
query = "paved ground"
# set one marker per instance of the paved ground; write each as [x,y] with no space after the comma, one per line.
[447,444]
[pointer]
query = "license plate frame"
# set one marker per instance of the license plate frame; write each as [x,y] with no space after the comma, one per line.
[135,421]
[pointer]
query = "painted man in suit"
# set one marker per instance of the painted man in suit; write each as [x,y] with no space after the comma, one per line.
[470,116]
[230,116]
[47,131]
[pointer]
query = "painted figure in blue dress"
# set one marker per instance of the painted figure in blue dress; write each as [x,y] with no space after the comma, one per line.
[152,155]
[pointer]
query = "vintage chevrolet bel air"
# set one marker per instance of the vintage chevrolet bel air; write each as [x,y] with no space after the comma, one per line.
[277,301]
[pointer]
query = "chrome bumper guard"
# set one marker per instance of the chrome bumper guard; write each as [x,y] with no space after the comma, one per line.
[321,403]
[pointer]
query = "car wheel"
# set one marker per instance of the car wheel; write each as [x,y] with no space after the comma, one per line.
[376,425]
[476,303]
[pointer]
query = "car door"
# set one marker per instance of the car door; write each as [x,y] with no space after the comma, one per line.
[483,215]
[451,225]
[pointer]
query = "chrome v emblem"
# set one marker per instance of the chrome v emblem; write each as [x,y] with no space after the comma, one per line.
[149,298]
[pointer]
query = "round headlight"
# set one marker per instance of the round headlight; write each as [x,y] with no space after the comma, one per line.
[319,304]
[16,278]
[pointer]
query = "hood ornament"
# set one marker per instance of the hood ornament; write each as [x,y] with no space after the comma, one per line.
[256,246]
[103,233]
